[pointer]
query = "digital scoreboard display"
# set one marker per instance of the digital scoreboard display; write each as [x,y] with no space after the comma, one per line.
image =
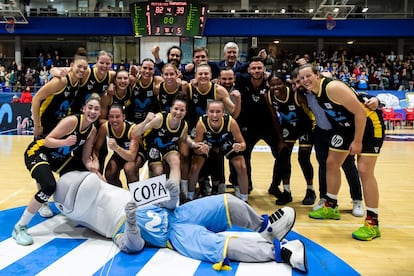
[168,18]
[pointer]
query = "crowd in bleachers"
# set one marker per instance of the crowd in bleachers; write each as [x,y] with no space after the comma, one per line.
[386,71]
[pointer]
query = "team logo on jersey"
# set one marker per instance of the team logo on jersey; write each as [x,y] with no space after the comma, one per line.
[328,105]
[255,98]
[337,141]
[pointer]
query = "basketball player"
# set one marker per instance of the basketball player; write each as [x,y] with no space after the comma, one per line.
[219,133]
[67,147]
[55,100]
[357,130]
[117,133]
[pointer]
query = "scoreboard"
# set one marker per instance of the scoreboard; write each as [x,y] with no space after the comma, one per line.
[168,18]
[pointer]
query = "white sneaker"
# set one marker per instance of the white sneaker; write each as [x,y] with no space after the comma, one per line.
[279,224]
[358,208]
[45,211]
[319,205]
[293,253]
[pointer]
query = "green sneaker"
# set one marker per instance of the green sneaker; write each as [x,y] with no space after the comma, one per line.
[21,236]
[325,213]
[367,232]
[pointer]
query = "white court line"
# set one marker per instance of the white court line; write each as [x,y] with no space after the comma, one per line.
[10,252]
[79,262]
[169,262]
[10,196]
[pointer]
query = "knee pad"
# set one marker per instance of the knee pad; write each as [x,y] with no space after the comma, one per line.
[47,182]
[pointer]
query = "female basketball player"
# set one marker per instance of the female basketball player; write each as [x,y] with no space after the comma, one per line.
[67,147]
[357,130]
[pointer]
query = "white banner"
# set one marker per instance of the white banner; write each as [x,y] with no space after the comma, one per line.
[150,191]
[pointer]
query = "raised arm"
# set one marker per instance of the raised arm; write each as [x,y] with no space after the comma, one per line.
[224,96]
[151,121]
[126,154]
[48,89]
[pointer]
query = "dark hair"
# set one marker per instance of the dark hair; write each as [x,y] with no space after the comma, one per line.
[256,58]
[182,98]
[226,68]
[117,106]
[294,73]
[119,71]
[278,75]
[147,59]
[174,47]
[81,53]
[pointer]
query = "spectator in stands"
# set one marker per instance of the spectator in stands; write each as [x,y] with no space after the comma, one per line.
[268,60]
[15,99]
[49,61]
[2,74]
[405,77]
[374,80]
[26,96]
[43,75]
[362,80]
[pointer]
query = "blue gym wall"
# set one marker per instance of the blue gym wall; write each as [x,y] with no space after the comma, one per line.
[122,26]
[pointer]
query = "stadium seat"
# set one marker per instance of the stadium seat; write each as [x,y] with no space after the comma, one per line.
[409,117]
[391,117]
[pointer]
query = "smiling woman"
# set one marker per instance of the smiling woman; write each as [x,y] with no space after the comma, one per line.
[67,147]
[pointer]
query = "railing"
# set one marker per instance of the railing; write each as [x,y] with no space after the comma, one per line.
[219,14]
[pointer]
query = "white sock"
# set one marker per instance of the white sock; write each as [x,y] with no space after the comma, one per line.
[190,195]
[286,188]
[25,218]
[309,187]
[332,196]
[374,210]
[184,186]
[244,197]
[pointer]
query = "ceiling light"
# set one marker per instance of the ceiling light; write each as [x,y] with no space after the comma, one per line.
[350,42]
[276,41]
[256,11]
[282,11]
[365,9]
[232,11]
[310,10]
[336,10]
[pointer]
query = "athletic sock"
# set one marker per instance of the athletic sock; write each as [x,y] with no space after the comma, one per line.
[372,217]
[309,187]
[25,218]
[331,200]
[286,187]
